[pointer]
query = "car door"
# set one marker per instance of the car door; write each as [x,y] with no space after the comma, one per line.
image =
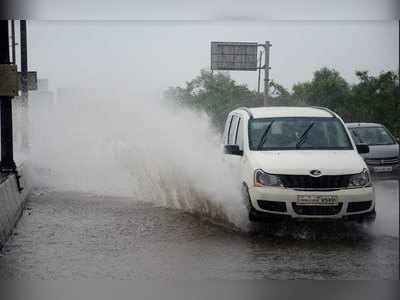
[234,136]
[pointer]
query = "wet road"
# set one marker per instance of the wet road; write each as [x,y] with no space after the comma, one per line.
[75,236]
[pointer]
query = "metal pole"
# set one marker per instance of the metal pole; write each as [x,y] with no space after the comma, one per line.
[24,63]
[13,41]
[266,75]
[7,163]
[24,87]
[259,73]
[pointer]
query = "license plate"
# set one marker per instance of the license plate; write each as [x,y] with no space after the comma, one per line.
[316,200]
[383,169]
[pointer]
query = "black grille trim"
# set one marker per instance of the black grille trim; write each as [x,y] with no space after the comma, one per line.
[309,182]
[272,205]
[316,210]
[359,206]
[382,161]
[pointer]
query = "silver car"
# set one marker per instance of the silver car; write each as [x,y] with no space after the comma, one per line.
[383,153]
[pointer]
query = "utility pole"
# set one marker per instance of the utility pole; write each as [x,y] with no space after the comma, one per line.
[266,73]
[7,164]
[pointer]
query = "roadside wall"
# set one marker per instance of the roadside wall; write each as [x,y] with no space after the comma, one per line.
[11,203]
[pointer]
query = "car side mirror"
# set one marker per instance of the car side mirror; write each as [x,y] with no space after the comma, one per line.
[362,148]
[233,150]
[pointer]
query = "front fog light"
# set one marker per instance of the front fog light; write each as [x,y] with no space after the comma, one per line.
[359,180]
[264,179]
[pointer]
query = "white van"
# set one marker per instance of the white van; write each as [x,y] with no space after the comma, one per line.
[299,163]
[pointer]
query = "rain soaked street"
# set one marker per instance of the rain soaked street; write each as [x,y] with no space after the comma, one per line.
[66,235]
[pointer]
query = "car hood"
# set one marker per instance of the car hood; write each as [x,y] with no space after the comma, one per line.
[301,162]
[382,151]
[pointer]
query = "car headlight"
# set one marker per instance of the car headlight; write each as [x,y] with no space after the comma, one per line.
[360,180]
[264,179]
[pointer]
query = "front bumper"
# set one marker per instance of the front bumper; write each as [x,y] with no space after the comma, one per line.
[379,165]
[282,203]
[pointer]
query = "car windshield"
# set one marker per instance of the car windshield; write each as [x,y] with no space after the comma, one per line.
[372,136]
[297,133]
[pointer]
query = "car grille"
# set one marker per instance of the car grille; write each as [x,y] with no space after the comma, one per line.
[309,182]
[316,210]
[359,206]
[382,161]
[272,205]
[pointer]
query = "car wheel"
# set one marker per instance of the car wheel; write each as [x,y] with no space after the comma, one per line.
[369,218]
[247,202]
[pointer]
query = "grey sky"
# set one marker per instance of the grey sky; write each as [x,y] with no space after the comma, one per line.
[211,9]
[151,56]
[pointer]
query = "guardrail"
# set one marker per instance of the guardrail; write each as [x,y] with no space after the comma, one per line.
[12,201]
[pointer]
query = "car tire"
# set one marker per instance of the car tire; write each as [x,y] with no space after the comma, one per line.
[368,218]
[247,202]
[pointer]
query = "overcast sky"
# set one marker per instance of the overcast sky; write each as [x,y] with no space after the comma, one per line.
[209,9]
[151,56]
[150,45]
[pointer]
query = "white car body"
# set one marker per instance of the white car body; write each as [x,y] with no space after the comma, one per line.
[297,162]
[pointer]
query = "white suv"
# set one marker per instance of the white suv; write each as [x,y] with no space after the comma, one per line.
[298,162]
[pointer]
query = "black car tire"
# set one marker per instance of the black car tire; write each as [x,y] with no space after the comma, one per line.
[253,216]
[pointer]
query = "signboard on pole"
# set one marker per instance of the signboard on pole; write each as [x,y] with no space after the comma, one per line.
[234,56]
[8,80]
[32,81]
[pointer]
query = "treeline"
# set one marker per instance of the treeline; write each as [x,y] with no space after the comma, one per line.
[372,99]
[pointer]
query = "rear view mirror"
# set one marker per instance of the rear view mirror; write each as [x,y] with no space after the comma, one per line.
[233,150]
[362,148]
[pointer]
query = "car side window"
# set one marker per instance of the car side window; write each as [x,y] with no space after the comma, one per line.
[232,130]
[226,130]
[239,134]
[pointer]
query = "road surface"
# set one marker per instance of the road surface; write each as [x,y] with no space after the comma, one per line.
[66,235]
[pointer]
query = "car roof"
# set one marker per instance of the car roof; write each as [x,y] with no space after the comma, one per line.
[354,125]
[287,111]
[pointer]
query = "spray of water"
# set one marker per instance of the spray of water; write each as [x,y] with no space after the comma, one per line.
[106,143]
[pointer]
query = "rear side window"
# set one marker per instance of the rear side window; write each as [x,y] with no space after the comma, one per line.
[239,135]
[232,130]
[226,130]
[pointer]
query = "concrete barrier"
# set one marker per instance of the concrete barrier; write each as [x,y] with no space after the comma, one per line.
[11,203]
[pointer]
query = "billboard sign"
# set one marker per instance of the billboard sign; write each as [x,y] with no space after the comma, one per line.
[8,80]
[234,56]
[32,81]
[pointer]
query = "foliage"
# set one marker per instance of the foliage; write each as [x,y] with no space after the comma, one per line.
[216,94]
[372,99]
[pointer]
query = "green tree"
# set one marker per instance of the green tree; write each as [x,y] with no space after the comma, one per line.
[327,88]
[376,99]
[216,94]
[373,99]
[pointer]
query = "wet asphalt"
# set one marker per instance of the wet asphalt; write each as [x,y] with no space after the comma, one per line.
[67,235]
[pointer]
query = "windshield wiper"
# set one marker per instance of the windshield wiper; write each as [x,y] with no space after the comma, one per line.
[303,137]
[264,135]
